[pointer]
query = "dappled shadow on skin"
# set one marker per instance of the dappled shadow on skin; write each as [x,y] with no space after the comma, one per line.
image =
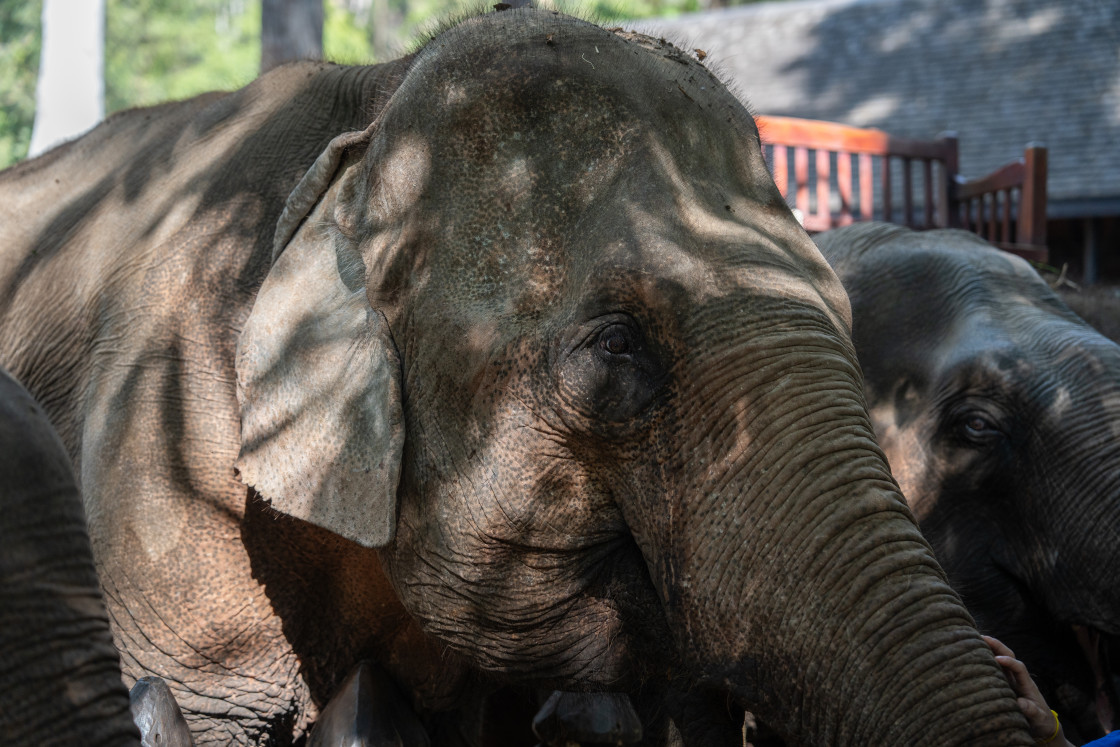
[538,537]
[162,329]
[237,202]
[290,589]
[491,542]
[151,137]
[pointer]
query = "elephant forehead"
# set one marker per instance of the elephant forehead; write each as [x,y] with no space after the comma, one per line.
[951,270]
[556,153]
[534,106]
[514,206]
[552,141]
[473,60]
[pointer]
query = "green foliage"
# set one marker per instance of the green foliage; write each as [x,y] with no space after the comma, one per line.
[157,50]
[344,38]
[618,9]
[19,67]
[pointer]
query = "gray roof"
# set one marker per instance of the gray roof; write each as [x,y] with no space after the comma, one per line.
[1001,73]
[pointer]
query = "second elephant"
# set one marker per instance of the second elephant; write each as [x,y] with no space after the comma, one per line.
[999,411]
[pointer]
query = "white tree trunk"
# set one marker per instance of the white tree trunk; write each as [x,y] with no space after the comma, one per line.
[70,94]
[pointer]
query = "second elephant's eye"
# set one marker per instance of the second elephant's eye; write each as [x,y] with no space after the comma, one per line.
[977,424]
[979,428]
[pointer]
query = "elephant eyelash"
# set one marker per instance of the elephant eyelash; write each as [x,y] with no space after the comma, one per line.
[590,338]
[977,425]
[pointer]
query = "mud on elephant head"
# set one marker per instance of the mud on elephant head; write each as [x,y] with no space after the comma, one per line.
[547,341]
[999,411]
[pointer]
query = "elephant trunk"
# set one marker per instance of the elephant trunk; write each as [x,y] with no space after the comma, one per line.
[800,583]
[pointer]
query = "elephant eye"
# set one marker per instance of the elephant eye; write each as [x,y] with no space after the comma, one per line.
[977,426]
[615,340]
[610,372]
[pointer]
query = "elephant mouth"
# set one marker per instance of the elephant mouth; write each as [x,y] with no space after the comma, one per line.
[1095,647]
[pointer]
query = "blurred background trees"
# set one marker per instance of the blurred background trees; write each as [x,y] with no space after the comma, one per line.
[290,30]
[19,69]
[157,50]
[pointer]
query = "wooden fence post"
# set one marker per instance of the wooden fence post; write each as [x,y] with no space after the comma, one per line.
[1032,200]
[947,213]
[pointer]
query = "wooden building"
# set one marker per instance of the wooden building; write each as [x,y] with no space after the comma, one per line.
[998,73]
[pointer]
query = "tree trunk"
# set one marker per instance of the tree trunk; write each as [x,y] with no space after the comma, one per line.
[383,26]
[290,30]
[70,94]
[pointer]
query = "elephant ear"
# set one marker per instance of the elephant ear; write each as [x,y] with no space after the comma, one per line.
[318,375]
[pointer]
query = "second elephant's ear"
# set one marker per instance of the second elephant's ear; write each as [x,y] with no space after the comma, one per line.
[318,375]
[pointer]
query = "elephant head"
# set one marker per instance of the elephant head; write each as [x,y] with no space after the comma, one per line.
[999,412]
[547,335]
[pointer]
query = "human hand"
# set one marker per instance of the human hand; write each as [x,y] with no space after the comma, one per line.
[1043,723]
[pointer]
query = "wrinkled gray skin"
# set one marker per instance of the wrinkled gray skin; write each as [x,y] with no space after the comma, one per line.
[541,386]
[999,411]
[59,673]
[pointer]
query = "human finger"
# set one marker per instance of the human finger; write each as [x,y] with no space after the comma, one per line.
[1042,722]
[998,647]
[1020,679]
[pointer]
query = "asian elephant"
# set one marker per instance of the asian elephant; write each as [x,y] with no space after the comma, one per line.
[500,365]
[999,412]
[60,678]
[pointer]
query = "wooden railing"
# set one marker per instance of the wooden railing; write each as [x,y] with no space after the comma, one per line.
[842,174]
[1008,206]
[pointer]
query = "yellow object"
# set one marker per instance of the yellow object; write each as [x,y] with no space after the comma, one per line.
[1057,728]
